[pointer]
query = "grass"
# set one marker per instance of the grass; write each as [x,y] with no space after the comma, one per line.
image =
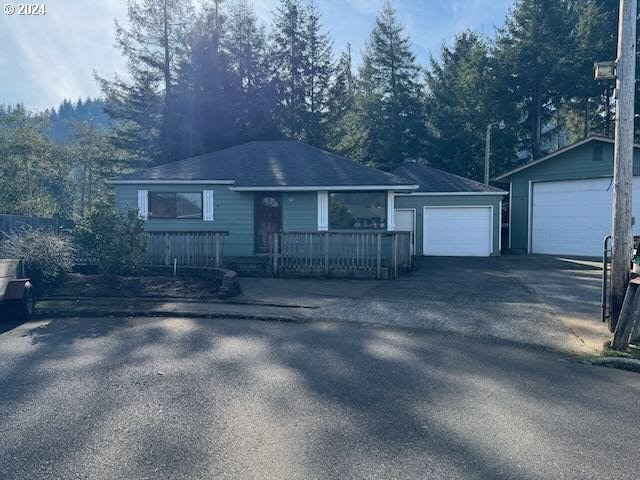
[632,351]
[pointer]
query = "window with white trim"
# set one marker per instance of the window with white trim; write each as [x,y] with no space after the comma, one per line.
[357,210]
[178,205]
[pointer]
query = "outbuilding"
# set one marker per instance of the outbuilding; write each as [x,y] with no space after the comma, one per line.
[561,204]
[449,215]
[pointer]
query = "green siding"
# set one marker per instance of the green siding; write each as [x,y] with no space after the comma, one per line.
[300,211]
[590,160]
[420,201]
[233,212]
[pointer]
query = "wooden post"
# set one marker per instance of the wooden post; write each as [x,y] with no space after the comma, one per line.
[217,237]
[274,245]
[326,253]
[628,313]
[623,158]
[379,257]
[394,239]
[167,249]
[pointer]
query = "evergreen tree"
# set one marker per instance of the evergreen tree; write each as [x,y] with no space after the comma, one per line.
[204,92]
[288,59]
[391,110]
[153,42]
[460,104]
[533,57]
[342,136]
[32,172]
[319,67]
[254,98]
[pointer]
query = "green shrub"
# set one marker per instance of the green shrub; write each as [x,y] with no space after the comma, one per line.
[117,242]
[48,256]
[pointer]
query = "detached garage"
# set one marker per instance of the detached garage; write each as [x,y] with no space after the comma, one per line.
[449,215]
[561,203]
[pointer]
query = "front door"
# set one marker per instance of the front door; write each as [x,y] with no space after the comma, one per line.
[267,220]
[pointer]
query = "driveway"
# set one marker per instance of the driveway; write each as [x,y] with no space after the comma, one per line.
[134,398]
[539,300]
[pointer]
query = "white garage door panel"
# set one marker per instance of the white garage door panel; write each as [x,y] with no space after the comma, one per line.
[457,231]
[572,217]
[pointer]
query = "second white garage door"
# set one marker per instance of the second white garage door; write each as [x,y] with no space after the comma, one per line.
[457,231]
[572,217]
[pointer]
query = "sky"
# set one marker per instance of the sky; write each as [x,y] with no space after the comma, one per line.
[45,59]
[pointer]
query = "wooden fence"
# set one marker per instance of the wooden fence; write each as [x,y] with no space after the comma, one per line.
[371,254]
[187,249]
[12,223]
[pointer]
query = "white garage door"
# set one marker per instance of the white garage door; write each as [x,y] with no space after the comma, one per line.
[457,231]
[572,217]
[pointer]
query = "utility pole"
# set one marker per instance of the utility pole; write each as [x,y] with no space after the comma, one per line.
[487,148]
[623,157]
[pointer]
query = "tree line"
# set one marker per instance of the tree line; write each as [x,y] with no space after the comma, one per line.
[211,75]
[204,79]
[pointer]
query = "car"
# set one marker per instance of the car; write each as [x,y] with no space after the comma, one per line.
[17,297]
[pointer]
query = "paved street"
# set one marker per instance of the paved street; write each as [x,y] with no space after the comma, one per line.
[116,398]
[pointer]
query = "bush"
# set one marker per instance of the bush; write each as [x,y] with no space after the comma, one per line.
[117,242]
[48,256]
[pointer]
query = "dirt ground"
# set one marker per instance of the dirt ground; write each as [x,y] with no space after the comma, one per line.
[81,285]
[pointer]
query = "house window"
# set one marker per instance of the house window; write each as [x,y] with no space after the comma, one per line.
[357,210]
[175,205]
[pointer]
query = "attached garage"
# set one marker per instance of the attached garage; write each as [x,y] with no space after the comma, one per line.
[449,215]
[561,204]
[457,231]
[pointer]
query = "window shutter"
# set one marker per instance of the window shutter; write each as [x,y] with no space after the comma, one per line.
[323,211]
[207,205]
[143,204]
[391,211]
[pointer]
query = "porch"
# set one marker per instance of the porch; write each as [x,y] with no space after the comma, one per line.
[351,254]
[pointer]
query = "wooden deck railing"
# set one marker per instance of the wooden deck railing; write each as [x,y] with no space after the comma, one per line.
[372,254]
[187,249]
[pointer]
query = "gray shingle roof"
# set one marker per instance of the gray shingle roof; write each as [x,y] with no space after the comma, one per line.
[433,180]
[281,163]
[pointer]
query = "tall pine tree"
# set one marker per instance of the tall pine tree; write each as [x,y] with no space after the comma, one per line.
[288,59]
[391,108]
[254,97]
[533,59]
[318,71]
[460,104]
[153,41]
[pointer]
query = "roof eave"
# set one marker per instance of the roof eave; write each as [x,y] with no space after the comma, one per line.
[465,193]
[115,181]
[315,188]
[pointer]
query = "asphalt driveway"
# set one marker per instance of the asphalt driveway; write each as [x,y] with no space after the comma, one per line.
[134,398]
[538,300]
